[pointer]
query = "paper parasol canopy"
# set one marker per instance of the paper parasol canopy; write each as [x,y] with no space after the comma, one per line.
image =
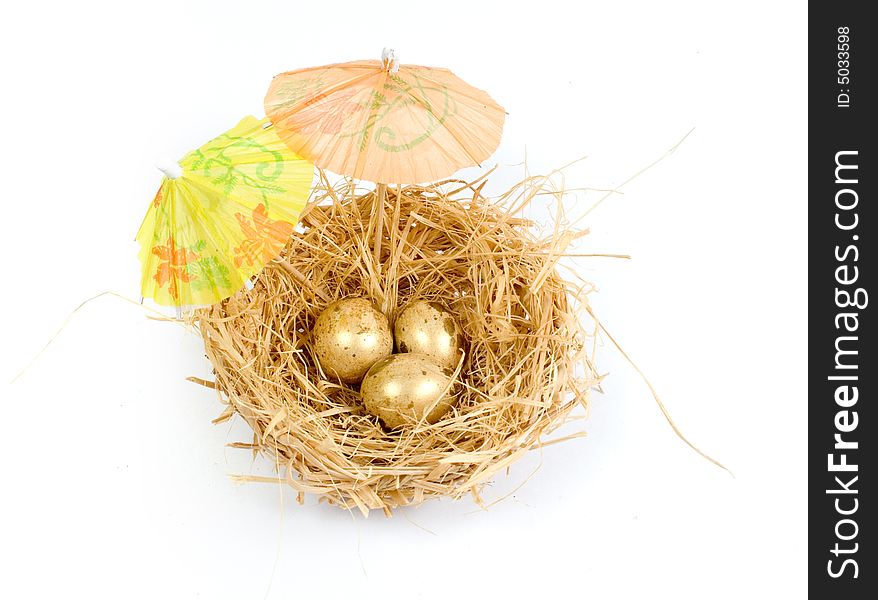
[220,215]
[384,122]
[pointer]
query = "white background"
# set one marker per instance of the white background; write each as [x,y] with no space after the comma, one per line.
[116,482]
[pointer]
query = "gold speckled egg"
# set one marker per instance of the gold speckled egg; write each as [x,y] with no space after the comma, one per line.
[350,335]
[429,328]
[405,388]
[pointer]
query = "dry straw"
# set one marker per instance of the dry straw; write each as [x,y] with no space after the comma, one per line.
[529,355]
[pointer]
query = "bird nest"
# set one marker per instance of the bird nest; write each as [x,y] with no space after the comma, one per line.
[528,333]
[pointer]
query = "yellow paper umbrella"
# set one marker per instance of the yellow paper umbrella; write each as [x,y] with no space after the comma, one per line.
[384,122]
[221,213]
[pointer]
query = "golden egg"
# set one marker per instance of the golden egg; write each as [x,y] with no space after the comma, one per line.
[428,328]
[350,335]
[405,388]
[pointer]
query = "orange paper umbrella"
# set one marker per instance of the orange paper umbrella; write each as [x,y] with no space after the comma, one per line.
[384,122]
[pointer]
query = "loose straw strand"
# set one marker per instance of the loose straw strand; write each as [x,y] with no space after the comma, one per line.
[658,401]
[73,314]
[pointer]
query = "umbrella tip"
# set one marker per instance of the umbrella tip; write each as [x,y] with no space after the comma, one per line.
[388,60]
[171,168]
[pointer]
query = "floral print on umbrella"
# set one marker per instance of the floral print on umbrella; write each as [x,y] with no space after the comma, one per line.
[172,269]
[264,237]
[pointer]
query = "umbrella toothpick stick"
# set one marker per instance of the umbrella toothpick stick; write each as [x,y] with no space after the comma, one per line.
[381,197]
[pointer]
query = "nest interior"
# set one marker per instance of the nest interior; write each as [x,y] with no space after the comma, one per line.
[529,351]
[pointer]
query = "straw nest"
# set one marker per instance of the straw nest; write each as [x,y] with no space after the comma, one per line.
[528,358]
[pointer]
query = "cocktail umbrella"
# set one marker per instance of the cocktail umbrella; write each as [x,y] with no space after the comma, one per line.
[221,213]
[384,122]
